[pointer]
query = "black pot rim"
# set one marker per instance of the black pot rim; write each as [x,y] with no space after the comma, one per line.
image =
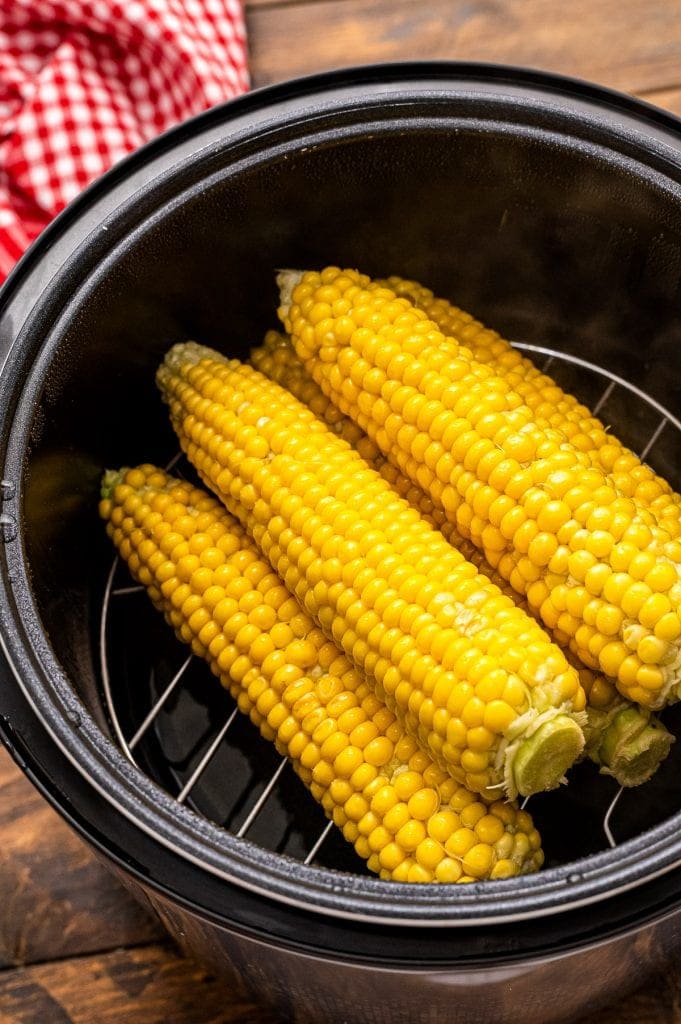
[35,672]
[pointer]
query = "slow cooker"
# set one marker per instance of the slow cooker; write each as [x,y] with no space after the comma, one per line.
[549,208]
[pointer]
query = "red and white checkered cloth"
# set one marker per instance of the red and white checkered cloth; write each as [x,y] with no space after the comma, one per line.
[83,82]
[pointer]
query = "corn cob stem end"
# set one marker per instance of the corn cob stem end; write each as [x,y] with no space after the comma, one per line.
[633,746]
[286,282]
[541,761]
[111,478]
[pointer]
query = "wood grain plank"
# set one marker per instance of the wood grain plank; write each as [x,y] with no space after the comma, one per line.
[620,43]
[657,1002]
[280,3]
[668,99]
[56,898]
[155,985]
[147,985]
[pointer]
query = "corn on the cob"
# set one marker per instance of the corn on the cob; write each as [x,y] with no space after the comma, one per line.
[550,405]
[626,741]
[409,819]
[472,676]
[599,570]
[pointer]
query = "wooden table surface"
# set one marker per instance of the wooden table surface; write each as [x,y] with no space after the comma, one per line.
[74,947]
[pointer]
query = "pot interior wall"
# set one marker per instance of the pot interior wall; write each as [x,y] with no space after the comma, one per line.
[549,244]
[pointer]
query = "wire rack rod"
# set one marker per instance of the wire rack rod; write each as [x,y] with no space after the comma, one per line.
[104,662]
[159,703]
[653,439]
[126,591]
[260,802]
[317,846]
[608,816]
[604,398]
[206,759]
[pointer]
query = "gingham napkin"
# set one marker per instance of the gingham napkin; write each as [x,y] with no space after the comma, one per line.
[83,82]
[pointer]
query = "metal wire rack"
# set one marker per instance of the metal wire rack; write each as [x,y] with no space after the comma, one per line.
[173,722]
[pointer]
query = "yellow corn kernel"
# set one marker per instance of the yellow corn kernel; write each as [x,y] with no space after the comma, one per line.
[460,842]
[430,854]
[477,861]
